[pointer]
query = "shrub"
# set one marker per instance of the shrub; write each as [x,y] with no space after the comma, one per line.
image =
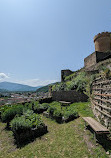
[107,73]
[64,114]
[3,108]
[78,82]
[27,121]
[73,75]
[51,110]
[29,105]
[58,115]
[58,86]
[70,115]
[10,113]
[27,126]
[45,106]
[39,108]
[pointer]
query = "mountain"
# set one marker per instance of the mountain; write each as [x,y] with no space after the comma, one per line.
[9,86]
[3,91]
[43,89]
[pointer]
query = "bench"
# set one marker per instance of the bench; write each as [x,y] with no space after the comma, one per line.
[96,126]
[64,103]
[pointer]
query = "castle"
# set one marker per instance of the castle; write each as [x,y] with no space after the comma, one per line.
[102,52]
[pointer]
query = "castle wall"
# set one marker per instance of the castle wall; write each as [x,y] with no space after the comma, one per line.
[101,100]
[102,50]
[94,58]
[71,96]
[90,60]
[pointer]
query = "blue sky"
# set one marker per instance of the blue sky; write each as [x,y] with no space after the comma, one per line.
[39,38]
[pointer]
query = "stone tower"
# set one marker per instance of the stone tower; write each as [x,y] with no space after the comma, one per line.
[103,42]
[102,52]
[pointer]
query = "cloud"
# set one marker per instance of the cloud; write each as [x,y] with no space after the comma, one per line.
[30,82]
[37,82]
[3,76]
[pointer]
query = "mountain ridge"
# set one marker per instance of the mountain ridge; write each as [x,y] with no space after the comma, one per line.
[10,86]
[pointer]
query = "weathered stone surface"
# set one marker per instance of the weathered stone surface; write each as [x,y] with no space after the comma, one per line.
[70,96]
[102,42]
[95,58]
[65,73]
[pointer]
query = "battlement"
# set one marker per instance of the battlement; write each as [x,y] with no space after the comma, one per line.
[103,42]
[102,34]
[102,52]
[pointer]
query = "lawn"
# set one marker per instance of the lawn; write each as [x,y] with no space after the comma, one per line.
[68,140]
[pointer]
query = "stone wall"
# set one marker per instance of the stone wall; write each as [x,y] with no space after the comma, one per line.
[71,96]
[65,73]
[90,60]
[94,58]
[101,100]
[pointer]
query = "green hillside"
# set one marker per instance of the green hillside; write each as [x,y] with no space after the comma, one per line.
[81,80]
[43,89]
[62,140]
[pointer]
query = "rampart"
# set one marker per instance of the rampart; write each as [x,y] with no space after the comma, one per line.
[94,58]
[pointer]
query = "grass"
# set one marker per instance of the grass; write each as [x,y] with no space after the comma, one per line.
[62,141]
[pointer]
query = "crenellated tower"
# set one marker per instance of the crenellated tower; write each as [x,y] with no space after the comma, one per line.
[103,42]
[102,52]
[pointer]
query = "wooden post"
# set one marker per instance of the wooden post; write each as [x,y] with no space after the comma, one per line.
[95,136]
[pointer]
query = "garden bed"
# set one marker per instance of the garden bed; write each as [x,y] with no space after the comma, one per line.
[60,119]
[30,134]
[27,127]
[24,123]
[59,114]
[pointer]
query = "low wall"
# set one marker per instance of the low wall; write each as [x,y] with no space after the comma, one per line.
[71,96]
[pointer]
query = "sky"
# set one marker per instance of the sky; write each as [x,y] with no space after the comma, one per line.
[39,38]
